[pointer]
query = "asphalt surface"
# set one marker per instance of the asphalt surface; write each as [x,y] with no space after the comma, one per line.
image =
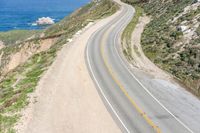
[131,105]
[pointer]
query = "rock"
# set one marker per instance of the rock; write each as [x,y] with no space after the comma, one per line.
[196,1]
[45,21]
[182,28]
[69,40]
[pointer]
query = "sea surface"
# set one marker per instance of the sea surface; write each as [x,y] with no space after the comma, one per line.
[22,14]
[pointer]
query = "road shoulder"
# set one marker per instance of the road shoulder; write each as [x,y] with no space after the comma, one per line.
[66,99]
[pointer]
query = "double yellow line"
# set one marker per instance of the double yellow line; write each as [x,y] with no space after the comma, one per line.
[139,110]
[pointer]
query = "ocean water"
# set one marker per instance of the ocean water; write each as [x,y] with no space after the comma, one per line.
[21,14]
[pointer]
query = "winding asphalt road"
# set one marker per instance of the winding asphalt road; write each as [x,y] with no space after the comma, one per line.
[131,105]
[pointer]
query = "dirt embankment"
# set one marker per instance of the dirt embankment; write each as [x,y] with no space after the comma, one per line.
[27,51]
[22,53]
[140,60]
[1,45]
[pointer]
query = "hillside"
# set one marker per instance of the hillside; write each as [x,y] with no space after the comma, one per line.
[171,40]
[26,55]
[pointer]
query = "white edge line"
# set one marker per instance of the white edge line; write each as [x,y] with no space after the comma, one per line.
[101,90]
[147,89]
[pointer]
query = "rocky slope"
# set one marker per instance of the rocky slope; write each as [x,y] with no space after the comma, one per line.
[172,39]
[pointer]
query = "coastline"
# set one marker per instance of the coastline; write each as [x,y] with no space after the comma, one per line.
[38,54]
[20,15]
[76,90]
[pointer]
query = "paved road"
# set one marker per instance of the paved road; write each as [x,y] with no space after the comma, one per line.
[132,106]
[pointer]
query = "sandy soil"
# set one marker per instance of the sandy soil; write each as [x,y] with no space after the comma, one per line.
[66,100]
[27,51]
[1,45]
[1,54]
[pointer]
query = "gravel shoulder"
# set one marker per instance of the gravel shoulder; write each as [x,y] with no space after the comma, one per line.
[140,60]
[66,99]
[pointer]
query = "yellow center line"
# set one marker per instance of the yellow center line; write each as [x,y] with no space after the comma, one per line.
[139,110]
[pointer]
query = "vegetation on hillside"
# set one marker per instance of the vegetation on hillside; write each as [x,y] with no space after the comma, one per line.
[127,33]
[171,40]
[17,84]
[12,37]
[62,31]
[81,18]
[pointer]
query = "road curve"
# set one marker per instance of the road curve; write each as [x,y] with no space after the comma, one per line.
[131,105]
